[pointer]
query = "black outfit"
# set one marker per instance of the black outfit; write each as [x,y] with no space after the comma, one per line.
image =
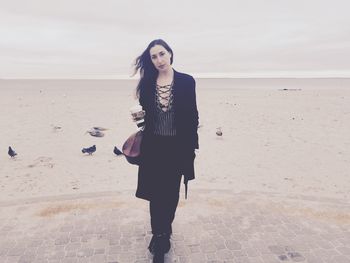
[167,149]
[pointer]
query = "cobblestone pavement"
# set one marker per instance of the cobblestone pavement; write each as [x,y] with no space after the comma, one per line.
[211,226]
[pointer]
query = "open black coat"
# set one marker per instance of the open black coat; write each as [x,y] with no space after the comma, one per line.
[186,124]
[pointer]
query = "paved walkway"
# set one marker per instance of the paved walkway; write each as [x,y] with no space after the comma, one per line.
[211,226]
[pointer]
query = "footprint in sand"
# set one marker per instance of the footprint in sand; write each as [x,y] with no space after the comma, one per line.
[75,185]
[42,161]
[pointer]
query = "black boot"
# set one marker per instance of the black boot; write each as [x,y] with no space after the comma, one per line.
[160,243]
[165,243]
[158,257]
[151,246]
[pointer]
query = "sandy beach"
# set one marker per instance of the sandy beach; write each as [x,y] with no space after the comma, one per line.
[282,136]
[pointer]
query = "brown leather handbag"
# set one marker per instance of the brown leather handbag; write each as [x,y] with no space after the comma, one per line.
[132,148]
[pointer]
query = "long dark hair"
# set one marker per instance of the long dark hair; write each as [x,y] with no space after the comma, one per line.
[143,63]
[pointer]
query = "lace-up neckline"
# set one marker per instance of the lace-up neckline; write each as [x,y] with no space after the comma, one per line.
[164,97]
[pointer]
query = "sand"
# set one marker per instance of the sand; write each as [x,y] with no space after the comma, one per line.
[294,141]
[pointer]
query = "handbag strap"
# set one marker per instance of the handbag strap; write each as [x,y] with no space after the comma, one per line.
[186,187]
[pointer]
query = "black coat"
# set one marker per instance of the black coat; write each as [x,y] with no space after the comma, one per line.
[186,123]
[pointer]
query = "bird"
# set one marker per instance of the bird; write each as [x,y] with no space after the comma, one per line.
[117,151]
[56,128]
[95,133]
[11,152]
[89,150]
[99,128]
[218,131]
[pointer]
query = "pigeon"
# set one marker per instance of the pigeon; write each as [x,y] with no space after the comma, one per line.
[89,150]
[218,131]
[117,151]
[11,152]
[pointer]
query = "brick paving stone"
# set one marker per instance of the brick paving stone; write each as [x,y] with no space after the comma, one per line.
[112,258]
[341,259]
[224,254]
[114,241]
[70,253]
[41,261]
[177,237]
[233,244]
[98,258]
[16,251]
[181,250]
[207,248]
[69,260]
[277,250]
[296,256]
[26,259]
[62,241]
[324,244]
[99,251]
[219,244]
[243,260]
[86,252]
[211,256]
[270,259]
[194,248]
[251,252]
[57,255]
[34,243]
[101,243]
[126,257]
[344,250]
[323,253]
[114,250]
[238,253]
[257,260]
[197,257]
[72,246]
[344,241]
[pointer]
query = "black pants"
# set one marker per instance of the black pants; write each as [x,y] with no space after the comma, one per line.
[163,208]
[159,181]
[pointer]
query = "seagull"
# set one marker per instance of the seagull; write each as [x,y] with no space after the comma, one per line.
[56,128]
[95,133]
[218,131]
[99,128]
[89,150]
[117,151]
[11,152]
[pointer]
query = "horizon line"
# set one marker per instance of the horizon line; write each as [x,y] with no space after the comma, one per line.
[221,75]
[252,77]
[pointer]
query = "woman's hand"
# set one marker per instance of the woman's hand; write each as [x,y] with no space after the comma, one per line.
[137,116]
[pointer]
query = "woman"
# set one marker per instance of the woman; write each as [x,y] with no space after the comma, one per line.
[170,139]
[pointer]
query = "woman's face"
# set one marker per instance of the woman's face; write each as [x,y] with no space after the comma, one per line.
[160,58]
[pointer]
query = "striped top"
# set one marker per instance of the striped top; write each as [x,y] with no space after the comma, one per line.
[164,117]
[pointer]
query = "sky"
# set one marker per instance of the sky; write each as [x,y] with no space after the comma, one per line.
[228,38]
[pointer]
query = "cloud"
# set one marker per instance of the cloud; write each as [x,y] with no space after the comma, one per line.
[61,37]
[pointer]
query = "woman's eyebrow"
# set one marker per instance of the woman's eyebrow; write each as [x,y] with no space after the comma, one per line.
[160,52]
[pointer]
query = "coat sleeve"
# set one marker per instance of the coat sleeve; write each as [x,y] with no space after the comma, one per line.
[194,114]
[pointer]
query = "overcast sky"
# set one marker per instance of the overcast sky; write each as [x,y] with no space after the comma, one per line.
[101,39]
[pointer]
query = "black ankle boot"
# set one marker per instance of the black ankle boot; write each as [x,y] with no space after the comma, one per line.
[165,243]
[158,258]
[151,246]
[160,243]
